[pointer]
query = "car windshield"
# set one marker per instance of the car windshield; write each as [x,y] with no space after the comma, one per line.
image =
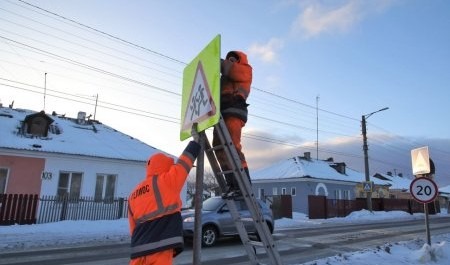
[211,204]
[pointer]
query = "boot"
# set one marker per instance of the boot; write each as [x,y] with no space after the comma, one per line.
[233,190]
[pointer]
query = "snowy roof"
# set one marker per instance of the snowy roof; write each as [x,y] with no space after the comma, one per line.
[70,136]
[445,189]
[396,182]
[300,167]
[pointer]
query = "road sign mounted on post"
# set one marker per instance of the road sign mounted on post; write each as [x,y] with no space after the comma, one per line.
[420,161]
[368,186]
[201,90]
[423,190]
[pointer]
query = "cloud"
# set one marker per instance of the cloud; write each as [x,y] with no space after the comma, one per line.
[317,18]
[267,52]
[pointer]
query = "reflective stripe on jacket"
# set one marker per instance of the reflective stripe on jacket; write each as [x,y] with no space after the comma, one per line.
[154,205]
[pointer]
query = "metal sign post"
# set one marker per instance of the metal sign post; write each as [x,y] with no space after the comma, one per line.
[198,203]
[424,190]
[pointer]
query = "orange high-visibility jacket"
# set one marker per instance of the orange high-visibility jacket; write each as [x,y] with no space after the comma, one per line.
[235,84]
[154,205]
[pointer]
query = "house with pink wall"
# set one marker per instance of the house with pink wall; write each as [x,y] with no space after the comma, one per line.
[50,154]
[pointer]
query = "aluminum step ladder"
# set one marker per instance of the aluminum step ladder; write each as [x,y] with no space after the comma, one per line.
[235,168]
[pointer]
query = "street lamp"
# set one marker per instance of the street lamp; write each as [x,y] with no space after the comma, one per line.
[366,156]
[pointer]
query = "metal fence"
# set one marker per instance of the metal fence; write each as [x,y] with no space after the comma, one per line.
[18,209]
[320,207]
[30,209]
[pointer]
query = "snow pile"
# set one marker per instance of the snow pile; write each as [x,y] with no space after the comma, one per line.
[398,254]
[433,253]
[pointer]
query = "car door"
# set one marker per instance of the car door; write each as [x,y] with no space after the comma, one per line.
[225,221]
[246,216]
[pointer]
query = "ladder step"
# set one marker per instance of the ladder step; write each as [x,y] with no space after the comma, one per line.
[256,243]
[215,148]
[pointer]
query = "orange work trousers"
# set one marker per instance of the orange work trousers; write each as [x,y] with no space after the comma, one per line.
[159,258]
[234,126]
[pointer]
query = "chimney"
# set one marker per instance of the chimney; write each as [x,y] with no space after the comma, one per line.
[339,167]
[307,155]
[81,119]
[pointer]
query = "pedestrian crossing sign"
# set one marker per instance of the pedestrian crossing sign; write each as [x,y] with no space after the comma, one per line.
[201,90]
[367,186]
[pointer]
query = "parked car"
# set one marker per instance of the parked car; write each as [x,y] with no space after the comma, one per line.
[217,221]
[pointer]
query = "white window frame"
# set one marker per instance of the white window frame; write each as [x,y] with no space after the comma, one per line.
[6,179]
[293,191]
[105,180]
[274,190]
[68,189]
[261,193]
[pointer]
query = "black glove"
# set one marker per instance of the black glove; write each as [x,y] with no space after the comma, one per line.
[194,133]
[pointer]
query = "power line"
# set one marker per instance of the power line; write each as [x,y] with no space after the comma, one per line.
[108,73]
[106,34]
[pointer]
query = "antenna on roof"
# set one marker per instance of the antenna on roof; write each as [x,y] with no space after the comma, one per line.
[45,88]
[95,110]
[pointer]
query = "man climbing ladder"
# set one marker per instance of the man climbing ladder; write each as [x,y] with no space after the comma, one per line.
[235,83]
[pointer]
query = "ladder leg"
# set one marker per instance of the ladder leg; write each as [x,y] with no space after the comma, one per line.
[225,162]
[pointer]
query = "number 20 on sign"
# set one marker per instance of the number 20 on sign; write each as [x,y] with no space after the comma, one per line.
[423,190]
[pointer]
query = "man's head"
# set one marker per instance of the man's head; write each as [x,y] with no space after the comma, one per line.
[232,56]
[158,163]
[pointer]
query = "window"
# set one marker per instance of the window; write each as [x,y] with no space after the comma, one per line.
[3,178]
[69,184]
[261,194]
[337,194]
[346,194]
[274,191]
[293,191]
[283,191]
[105,187]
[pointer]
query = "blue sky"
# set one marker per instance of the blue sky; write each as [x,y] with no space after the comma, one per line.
[318,66]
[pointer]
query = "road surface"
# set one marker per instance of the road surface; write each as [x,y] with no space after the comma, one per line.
[296,245]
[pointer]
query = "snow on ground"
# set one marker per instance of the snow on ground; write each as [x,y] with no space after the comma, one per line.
[65,233]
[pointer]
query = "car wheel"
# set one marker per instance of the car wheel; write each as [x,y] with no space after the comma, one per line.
[209,236]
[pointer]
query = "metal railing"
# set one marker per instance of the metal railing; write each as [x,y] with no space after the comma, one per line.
[30,209]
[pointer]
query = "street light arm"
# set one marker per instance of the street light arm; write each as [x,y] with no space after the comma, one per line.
[370,114]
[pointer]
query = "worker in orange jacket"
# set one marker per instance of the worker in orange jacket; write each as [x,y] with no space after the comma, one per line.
[154,208]
[235,83]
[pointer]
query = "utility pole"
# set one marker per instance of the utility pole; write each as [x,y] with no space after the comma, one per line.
[317,127]
[366,156]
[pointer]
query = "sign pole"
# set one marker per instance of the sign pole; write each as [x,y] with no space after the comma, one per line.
[198,203]
[427,223]
[424,190]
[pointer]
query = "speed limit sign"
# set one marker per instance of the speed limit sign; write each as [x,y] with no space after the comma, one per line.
[423,190]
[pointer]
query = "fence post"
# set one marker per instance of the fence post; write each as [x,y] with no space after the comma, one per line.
[119,214]
[62,217]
